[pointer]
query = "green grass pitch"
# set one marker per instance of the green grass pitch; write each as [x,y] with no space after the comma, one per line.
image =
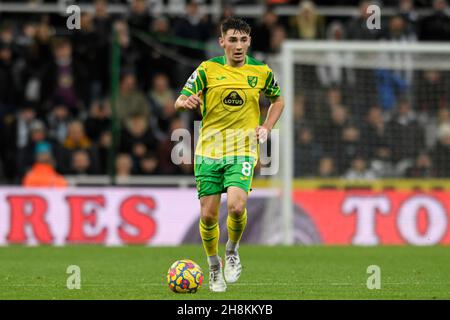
[296,272]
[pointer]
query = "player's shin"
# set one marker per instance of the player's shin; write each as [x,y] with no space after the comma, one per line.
[210,237]
[236,227]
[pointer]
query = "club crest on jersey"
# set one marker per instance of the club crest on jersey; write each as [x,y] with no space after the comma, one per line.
[252,81]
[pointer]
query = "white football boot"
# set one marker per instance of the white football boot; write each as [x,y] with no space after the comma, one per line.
[216,280]
[233,267]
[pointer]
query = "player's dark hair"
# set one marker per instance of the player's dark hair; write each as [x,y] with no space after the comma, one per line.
[237,24]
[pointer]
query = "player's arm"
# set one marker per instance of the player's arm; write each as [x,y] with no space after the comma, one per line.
[273,114]
[191,102]
[191,94]
[273,92]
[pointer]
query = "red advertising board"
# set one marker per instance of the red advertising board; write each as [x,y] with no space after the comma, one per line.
[370,218]
[150,216]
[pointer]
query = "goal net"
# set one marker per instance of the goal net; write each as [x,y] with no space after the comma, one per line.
[363,111]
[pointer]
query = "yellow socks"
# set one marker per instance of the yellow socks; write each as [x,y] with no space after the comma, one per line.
[236,227]
[210,238]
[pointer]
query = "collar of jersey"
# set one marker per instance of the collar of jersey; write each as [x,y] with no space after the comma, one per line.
[225,62]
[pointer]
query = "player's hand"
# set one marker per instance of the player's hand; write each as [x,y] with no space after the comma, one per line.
[262,133]
[193,101]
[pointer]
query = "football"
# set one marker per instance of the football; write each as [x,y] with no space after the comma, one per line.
[184,276]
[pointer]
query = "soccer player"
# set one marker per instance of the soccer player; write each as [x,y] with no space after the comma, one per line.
[227,91]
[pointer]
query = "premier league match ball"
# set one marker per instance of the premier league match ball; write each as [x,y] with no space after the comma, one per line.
[184,276]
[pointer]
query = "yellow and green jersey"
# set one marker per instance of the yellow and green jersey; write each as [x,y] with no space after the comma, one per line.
[230,109]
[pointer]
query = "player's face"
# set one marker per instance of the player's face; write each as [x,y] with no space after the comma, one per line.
[236,44]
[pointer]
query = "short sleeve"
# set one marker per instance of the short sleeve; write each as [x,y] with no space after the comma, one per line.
[271,88]
[196,82]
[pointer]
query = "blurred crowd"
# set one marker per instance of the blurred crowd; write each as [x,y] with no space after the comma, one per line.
[55,92]
[369,123]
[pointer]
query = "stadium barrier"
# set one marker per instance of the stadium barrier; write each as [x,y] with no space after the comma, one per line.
[154,216]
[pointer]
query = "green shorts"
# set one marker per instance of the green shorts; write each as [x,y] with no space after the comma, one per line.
[214,176]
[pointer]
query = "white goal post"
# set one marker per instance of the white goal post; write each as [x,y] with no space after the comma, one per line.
[369,55]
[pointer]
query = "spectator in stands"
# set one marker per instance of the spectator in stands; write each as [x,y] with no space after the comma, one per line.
[335,72]
[102,20]
[409,14]
[38,133]
[359,170]
[334,97]
[161,102]
[89,49]
[98,120]
[441,152]
[307,153]
[38,57]
[405,136]
[58,122]
[434,125]
[131,99]
[44,34]
[381,162]
[192,26]
[41,51]
[300,112]
[423,167]
[308,24]
[374,136]
[139,17]
[65,79]
[357,28]
[149,164]
[130,53]
[227,11]
[77,140]
[136,138]
[42,173]
[432,91]
[25,39]
[328,102]
[277,38]
[124,165]
[76,137]
[394,82]
[104,148]
[331,130]
[398,30]
[9,88]
[348,147]
[103,26]
[157,59]
[326,168]
[436,27]
[81,164]
[7,33]
[15,135]
[374,131]
[262,33]
[140,21]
